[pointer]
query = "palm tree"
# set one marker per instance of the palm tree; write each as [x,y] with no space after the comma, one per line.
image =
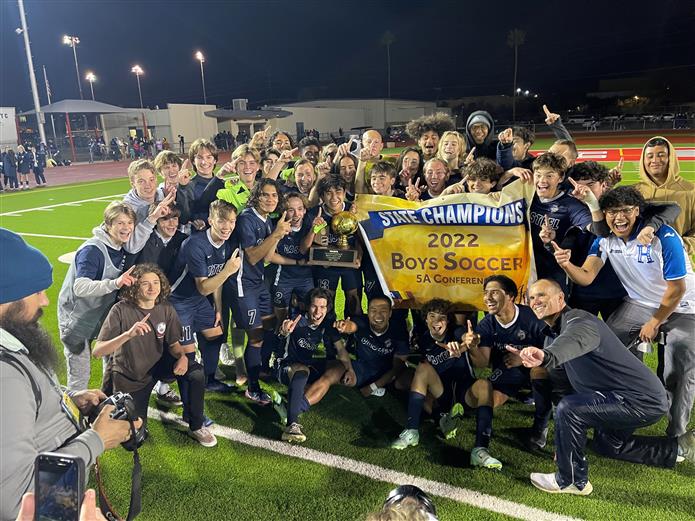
[387,39]
[515,38]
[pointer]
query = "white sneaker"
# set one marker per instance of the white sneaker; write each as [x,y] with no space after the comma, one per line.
[548,483]
[407,438]
[204,437]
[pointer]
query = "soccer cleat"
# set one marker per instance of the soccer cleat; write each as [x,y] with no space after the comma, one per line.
[480,457]
[548,483]
[169,399]
[448,426]
[293,434]
[538,440]
[686,447]
[204,437]
[226,356]
[260,397]
[407,438]
[215,386]
[456,410]
[279,406]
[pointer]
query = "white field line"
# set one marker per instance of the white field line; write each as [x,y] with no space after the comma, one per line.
[71,186]
[53,236]
[68,203]
[461,495]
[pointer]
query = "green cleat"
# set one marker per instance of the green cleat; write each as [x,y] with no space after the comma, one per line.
[448,425]
[480,457]
[407,438]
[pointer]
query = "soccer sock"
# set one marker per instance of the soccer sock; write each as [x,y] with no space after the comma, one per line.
[296,396]
[270,343]
[210,353]
[483,426]
[542,394]
[415,403]
[252,359]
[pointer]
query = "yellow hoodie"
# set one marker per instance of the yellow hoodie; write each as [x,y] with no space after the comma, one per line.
[675,189]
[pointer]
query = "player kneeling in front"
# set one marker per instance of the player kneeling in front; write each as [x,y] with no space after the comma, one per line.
[446,374]
[298,368]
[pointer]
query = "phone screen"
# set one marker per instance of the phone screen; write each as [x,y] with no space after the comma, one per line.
[57,489]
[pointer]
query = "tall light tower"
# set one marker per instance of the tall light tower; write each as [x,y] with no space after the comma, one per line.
[138,71]
[201,58]
[91,78]
[72,41]
[32,76]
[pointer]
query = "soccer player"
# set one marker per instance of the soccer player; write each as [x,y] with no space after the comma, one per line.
[427,130]
[615,394]
[381,354]
[140,336]
[169,165]
[205,262]
[202,155]
[660,284]
[251,302]
[481,175]
[332,191]
[293,278]
[299,366]
[446,374]
[244,163]
[90,287]
[382,181]
[509,324]
[553,212]
[436,174]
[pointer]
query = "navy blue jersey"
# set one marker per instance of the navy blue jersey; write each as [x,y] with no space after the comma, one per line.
[289,247]
[437,356]
[90,262]
[328,217]
[524,330]
[378,349]
[305,339]
[199,183]
[251,230]
[198,257]
[564,212]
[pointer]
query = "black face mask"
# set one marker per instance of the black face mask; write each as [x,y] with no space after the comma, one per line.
[35,338]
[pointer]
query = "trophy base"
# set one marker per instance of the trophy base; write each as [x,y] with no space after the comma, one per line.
[331,257]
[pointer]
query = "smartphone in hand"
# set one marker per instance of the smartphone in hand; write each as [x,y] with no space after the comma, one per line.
[58,487]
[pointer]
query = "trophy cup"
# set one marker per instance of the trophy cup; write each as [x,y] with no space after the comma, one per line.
[343,225]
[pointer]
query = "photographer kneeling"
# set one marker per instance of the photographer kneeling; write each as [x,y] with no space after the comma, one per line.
[37,416]
[135,334]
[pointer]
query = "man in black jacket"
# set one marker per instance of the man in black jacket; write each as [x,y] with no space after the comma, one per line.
[615,394]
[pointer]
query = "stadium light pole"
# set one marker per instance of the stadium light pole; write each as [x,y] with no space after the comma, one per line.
[201,58]
[30,63]
[72,41]
[138,71]
[91,78]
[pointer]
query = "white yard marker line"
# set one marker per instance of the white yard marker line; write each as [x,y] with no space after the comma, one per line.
[53,236]
[461,495]
[68,203]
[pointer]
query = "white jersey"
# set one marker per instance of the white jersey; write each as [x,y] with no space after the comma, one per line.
[644,270]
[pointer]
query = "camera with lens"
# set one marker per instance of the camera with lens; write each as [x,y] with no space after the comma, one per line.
[124,410]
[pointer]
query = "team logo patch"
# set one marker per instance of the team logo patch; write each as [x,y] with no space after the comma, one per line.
[521,334]
[160,329]
[554,208]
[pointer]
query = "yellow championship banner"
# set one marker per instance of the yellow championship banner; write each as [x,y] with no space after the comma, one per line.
[445,247]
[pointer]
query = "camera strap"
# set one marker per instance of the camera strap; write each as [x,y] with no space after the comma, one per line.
[135,506]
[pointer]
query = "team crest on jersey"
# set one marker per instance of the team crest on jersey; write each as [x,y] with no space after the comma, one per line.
[520,335]
[554,208]
[160,329]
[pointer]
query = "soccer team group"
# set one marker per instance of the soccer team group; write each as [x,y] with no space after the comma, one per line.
[214,259]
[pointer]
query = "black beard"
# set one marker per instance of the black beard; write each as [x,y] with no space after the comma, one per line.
[35,338]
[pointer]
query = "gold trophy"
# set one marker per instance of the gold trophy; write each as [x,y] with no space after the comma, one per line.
[343,225]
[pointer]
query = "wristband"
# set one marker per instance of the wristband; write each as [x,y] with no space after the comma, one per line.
[319,227]
[593,205]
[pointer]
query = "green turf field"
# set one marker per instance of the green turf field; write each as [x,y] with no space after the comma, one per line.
[234,480]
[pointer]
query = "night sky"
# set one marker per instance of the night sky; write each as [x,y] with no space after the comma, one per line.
[273,52]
